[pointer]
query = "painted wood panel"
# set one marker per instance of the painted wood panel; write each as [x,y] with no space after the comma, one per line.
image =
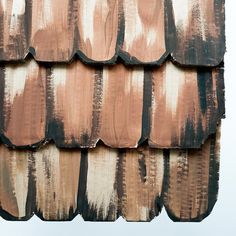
[199,32]
[100,31]
[74,110]
[185,106]
[122,106]
[192,181]
[15,184]
[104,183]
[77,105]
[98,28]
[142,172]
[144,31]
[24,104]
[52,30]
[56,176]
[13,29]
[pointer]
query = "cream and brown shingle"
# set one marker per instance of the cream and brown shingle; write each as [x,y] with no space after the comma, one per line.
[110,108]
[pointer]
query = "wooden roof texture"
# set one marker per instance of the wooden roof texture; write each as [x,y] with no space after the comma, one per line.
[110,108]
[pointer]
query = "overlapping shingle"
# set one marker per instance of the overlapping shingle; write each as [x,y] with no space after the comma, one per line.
[77,105]
[110,108]
[140,32]
[104,183]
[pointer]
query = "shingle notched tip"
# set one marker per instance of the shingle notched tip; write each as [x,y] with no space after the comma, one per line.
[110,108]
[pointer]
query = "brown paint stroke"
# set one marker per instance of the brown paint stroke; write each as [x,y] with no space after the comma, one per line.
[121,116]
[24,103]
[127,182]
[57,179]
[187,195]
[200,36]
[143,171]
[101,192]
[144,36]
[13,182]
[13,45]
[176,109]
[75,103]
[52,33]
[98,28]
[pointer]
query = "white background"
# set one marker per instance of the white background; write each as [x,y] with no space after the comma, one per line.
[222,220]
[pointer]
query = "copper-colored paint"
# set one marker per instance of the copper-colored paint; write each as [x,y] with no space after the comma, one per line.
[199,25]
[143,171]
[98,28]
[187,193]
[52,33]
[13,181]
[24,104]
[75,102]
[121,117]
[13,44]
[144,36]
[57,180]
[176,103]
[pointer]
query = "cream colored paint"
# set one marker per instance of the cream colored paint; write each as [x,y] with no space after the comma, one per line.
[173,83]
[133,24]
[181,12]
[16,77]
[101,178]
[20,182]
[136,82]
[87,13]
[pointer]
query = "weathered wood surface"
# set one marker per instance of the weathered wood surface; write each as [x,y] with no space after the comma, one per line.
[199,32]
[100,31]
[77,105]
[104,183]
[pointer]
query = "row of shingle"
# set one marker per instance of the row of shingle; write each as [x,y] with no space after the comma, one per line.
[100,31]
[104,183]
[76,105]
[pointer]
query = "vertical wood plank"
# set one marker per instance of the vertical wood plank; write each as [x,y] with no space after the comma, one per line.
[52,32]
[77,93]
[142,172]
[185,108]
[199,32]
[97,22]
[57,180]
[191,181]
[144,33]
[14,184]
[98,200]
[24,104]
[121,121]
[13,34]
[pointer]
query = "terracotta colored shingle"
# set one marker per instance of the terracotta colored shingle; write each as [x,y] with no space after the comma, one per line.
[110,108]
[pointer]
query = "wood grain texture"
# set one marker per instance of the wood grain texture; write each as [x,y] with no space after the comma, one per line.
[52,30]
[14,184]
[13,33]
[57,180]
[121,118]
[185,107]
[97,24]
[99,31]
[142,172]
[77,105]
[104,183]
[191,181]
[144,33]
[98,199]
[24,102]
[199,32]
